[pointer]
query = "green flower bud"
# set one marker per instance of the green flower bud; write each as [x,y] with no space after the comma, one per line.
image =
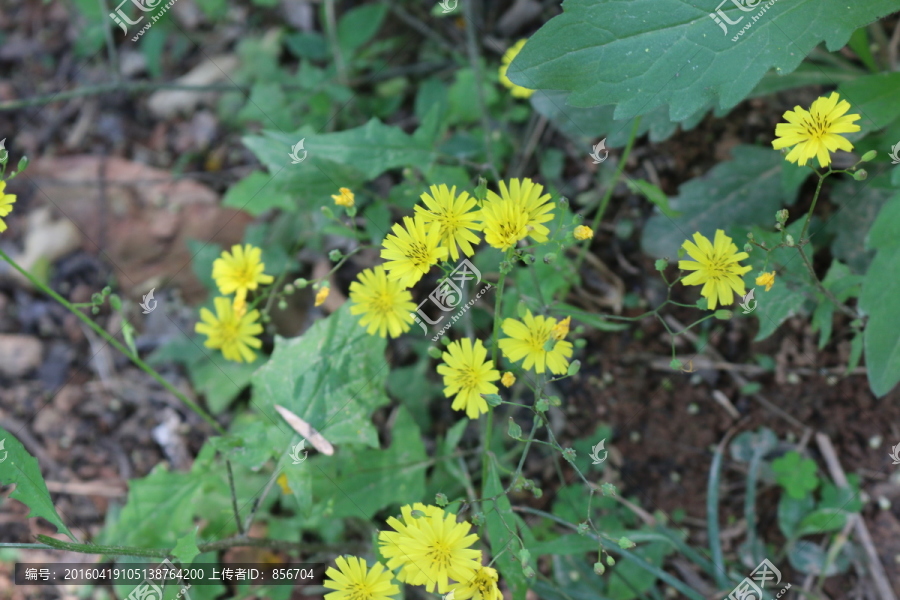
[608,489]
[748,247]
[625,543]
[441,499]
[610,561]
[563,202]
[289,289]
[599,569]
[675,365]
[661,264]
[434,352]
[749,235]
[569,454]
[723,315]
[555,401]
[300,283]
[860,175]
[789,240]
[335,255]
[493,400]
[514,430]
[528,571]
[505,267]
[574,367]
[478,519]
[583,528]
[417,514]
[542,405]
[549,258]
[537,492]
[869,156]
[282,304]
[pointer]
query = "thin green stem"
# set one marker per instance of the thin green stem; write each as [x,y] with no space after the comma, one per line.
[489,423]
[115,344]
[812,206]
[609,191]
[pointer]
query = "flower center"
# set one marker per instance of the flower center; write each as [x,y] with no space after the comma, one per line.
[468,378]
[816,126]
[383,302]
[228,330]
[418,254]
[358,590]
[439,554]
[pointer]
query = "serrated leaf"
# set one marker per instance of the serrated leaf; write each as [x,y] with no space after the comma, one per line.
[880,299]
[186,549]
[671,52]
[20,468]
[363,481]
[746,190]
[332,377]
[498,516]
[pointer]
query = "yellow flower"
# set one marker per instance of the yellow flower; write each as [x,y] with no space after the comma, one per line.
[716,265]
[282,482]
[456,217]
[240,271]
[411,249]
[508,379]
[353,581]
[345,198]
[386,306]
[321,295]
[816,132]
[561,329]
[516,90]
[504,224]
[431,549]
[481,586]
[583,232]
[533,339]
[468,374]
[230,332]
[766,279]
[6,204]
[526,195]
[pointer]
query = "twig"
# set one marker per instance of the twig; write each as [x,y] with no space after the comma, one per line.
[862,532]
[737,377]
[107,489]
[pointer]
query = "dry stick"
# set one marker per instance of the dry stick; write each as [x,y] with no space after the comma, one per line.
[862,532]
[737,377]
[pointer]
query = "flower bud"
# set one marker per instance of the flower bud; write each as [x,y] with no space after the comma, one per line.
[300,283]
[748,248]
[608,489]
[661,264]
[789,240]
[441,499]
[549,258]
[513,429]
[569,454]
[724,315]
[625,543]
[493,400]
[434,352]
[335,255]
[282,304]
[599,569]
[869,156]
[542,405]
[574,367]
[610,561]
[289,289]
[860,175]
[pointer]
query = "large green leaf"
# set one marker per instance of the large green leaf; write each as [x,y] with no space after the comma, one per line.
[22,469]
[859,202]
[360,482]
[332,377]
[500,520]
[641,54]
[746,191]
[874,97]
[880,299]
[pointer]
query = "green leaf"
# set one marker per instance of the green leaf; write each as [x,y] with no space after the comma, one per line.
[844,498]
[654,195]
[359,25]
[20,468]
[332,377]
[500,519]
[874,97]
[861,203]
[797,475]
[256,193]
[859,43]
[812,559]
[672,52]
[746,190]
[363,481]
[880,299]
[791,511]
[822,520]
[186,548]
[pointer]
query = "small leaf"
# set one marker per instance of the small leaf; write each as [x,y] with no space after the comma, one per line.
[654,194]
[797,475]
[186,548]
[514,430]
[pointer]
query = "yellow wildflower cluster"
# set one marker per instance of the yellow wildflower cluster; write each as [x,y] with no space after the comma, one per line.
[6,204]
[445,227]
[426,546]
[516,90]
[232,329]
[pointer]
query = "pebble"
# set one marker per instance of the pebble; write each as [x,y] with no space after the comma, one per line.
[19,354]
